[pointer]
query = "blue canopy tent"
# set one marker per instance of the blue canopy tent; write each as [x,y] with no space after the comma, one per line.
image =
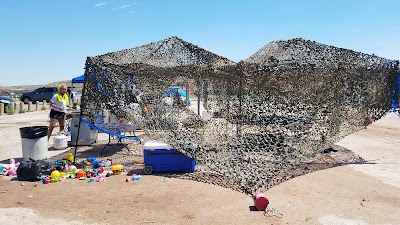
[180,91]
[78,80]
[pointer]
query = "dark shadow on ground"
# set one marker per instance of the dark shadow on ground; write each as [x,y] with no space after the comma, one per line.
[253,208]
[135,171]
[54,149]
[95,151]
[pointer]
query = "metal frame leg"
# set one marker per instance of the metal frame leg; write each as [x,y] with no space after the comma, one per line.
[108,144]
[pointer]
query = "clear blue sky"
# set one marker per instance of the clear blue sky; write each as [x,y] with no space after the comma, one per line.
[49,40]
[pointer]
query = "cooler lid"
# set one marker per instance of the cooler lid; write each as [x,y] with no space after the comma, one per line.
[153,145]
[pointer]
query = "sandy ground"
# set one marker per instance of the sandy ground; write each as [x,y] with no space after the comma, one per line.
[352,194]
[379,144]
[10,144]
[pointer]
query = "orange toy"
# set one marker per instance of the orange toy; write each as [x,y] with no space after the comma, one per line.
[80,174]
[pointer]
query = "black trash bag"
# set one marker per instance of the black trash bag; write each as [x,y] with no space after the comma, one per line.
[33,170]
[33,132]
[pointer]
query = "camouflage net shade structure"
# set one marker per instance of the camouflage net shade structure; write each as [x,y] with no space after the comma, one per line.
[276,109]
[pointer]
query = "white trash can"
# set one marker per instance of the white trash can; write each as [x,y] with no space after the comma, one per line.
[34,142]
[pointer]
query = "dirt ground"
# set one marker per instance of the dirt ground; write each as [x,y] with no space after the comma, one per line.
[360,193]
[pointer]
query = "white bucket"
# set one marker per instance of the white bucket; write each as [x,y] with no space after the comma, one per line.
[205,115]
[35,149]
[106,116]
[60,141]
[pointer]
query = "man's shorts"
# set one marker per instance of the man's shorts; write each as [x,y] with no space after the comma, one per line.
[57,115]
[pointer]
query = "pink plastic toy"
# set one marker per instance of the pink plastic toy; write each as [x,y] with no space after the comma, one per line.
[100,179]
[71,168]
[12,169]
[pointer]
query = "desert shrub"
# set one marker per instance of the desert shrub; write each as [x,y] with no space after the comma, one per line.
[10,109]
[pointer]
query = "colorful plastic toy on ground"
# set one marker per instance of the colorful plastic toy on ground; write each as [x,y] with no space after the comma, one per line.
[69,157]
[81,174]
[116,169]
[71,168]
[63,162]
[136,177]
[55,174]
[45,180]
[91,159]
[100,179]
[12,169]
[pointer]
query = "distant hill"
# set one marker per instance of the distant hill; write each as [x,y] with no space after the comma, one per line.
[33,87]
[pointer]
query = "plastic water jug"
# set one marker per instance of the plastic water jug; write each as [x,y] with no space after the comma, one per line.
[60,141]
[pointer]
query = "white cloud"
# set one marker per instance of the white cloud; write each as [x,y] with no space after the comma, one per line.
[124,6]
[100,4]
[132,11]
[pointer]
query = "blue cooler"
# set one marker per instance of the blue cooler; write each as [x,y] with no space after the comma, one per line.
[162,158]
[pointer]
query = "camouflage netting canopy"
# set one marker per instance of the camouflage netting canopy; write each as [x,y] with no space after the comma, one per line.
[269,113]
[141,74]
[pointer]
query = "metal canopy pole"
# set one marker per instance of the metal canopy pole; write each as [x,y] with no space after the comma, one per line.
[205,94]
[187,94]
[198,96]
[80,117]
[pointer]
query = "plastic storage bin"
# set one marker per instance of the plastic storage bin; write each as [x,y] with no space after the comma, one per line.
[162,158]
[87,136]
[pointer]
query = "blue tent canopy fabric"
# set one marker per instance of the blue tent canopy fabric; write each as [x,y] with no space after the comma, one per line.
[181,92]
[395,105]
[78,80]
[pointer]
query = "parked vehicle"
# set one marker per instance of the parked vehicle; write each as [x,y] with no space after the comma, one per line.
[40,94]
[6,100]
[10,94]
